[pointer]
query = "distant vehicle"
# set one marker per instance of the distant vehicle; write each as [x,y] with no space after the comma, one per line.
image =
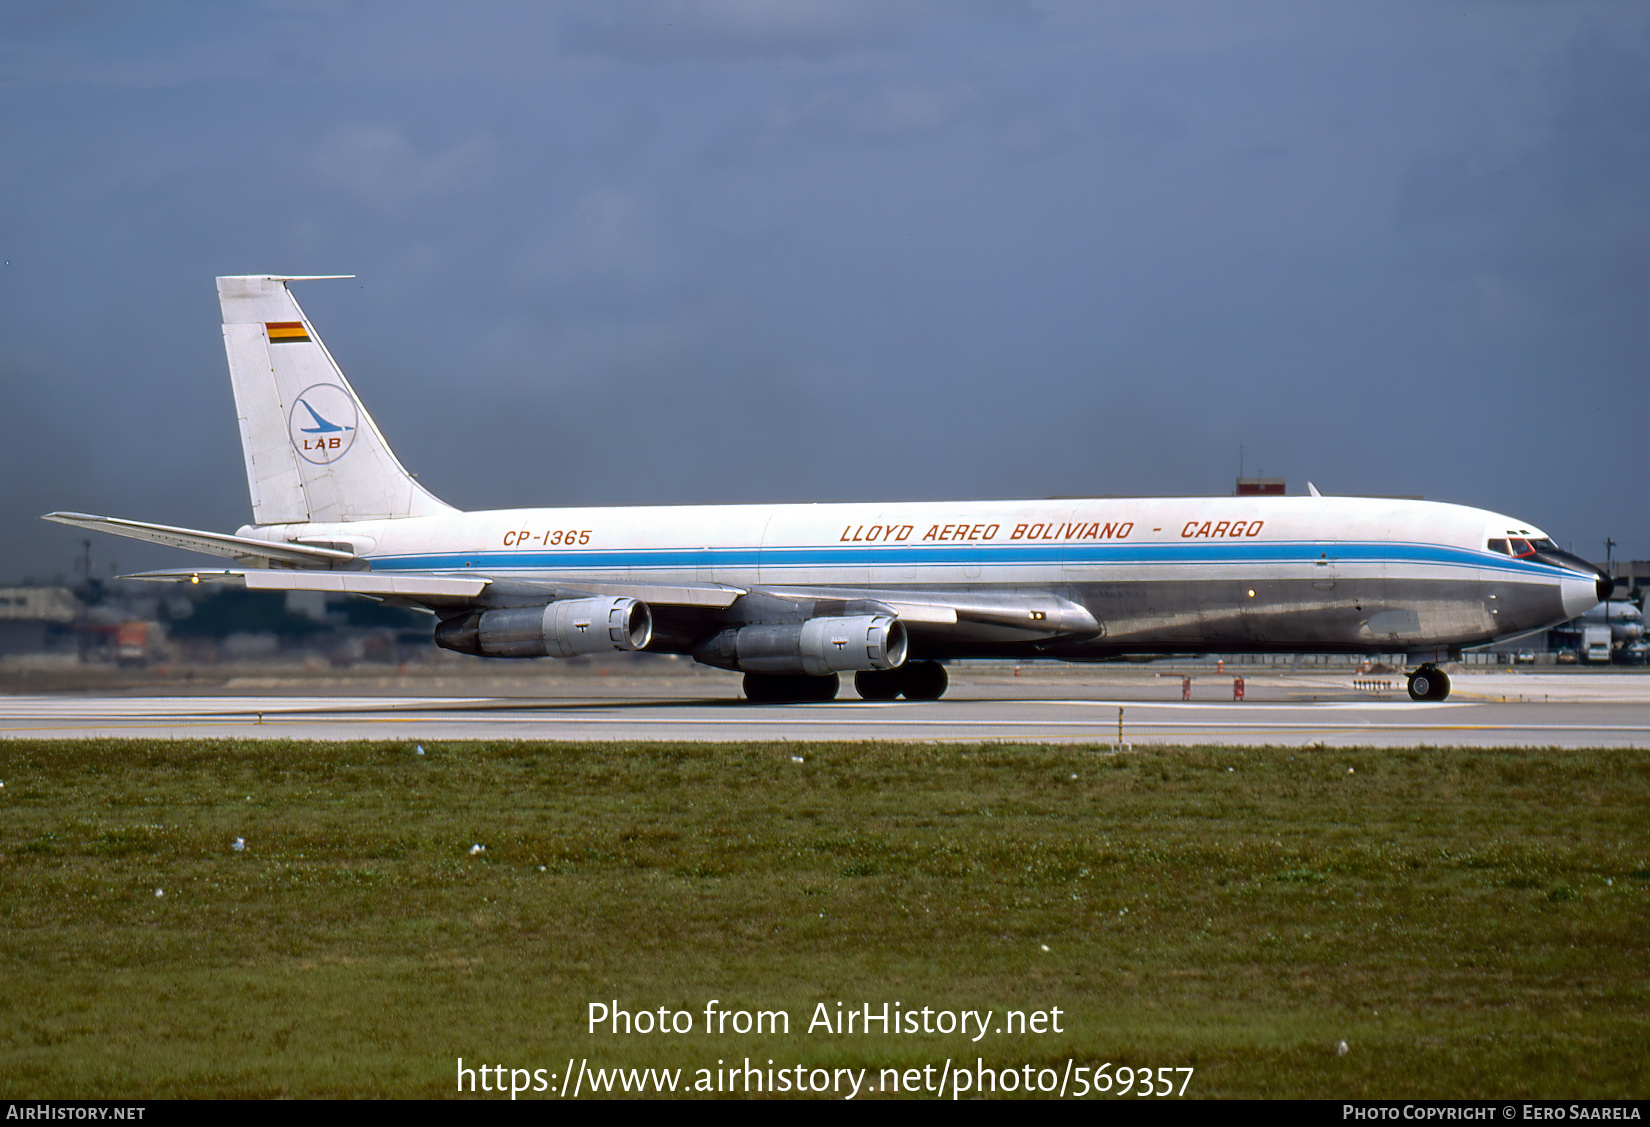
[1634,653]
[1566,657]
[1595,642]
[1524,657]
[132,643]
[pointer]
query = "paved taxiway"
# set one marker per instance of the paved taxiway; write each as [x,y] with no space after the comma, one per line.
[1487,710]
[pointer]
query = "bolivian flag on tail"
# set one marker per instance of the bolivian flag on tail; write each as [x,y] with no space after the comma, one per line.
[286,332]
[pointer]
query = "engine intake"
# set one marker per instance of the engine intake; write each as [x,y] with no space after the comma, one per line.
[565,628]
[816,646]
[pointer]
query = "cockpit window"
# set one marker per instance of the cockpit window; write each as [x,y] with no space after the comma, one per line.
[1521,547]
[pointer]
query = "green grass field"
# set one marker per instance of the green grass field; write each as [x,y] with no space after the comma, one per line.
[1471,923]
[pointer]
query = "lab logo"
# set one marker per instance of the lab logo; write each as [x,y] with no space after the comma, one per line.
[322,423]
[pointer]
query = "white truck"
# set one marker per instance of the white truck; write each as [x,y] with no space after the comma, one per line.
[1595,642]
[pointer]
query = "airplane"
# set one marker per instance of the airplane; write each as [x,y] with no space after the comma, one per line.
[792,596]
[1623,620]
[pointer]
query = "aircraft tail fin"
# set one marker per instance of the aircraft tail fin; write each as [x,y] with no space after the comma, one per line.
[312,451]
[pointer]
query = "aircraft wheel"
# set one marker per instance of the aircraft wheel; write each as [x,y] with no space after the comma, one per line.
[760,688]
[879,684]
[924,680]
[1429,683]
[826,687]
[785,688]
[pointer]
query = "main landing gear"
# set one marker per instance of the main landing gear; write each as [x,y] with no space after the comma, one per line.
[1428,683]
[790,688]
[915,680]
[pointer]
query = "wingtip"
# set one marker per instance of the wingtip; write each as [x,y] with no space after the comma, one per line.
[284,277]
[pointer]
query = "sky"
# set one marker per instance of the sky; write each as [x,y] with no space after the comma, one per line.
[665,252]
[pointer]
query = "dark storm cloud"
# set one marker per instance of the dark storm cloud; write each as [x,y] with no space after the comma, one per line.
[736,251]
[1559,219]
[656,31]
[1540,256]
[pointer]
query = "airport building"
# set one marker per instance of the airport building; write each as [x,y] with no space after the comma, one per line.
[36,619]
[1631,576]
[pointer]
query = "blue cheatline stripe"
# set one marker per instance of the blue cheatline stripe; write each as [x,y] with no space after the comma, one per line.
[964,555]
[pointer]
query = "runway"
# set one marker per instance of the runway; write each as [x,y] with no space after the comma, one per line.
[1485,712]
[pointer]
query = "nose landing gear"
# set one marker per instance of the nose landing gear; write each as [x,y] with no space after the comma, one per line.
[1428,683]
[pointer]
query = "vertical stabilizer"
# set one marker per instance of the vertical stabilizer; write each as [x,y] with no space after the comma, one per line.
[312,451]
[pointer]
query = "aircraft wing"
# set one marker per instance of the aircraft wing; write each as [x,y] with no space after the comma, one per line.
[1024,613]
[438,588]
[211,543]
[718,596]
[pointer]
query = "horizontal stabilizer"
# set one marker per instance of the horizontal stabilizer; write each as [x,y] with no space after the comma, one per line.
[348,582]
[211,543]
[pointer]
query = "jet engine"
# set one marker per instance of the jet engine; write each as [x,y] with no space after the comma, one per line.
[564,628]
[816,646]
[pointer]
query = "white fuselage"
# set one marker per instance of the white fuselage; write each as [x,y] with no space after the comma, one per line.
[1164,573]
